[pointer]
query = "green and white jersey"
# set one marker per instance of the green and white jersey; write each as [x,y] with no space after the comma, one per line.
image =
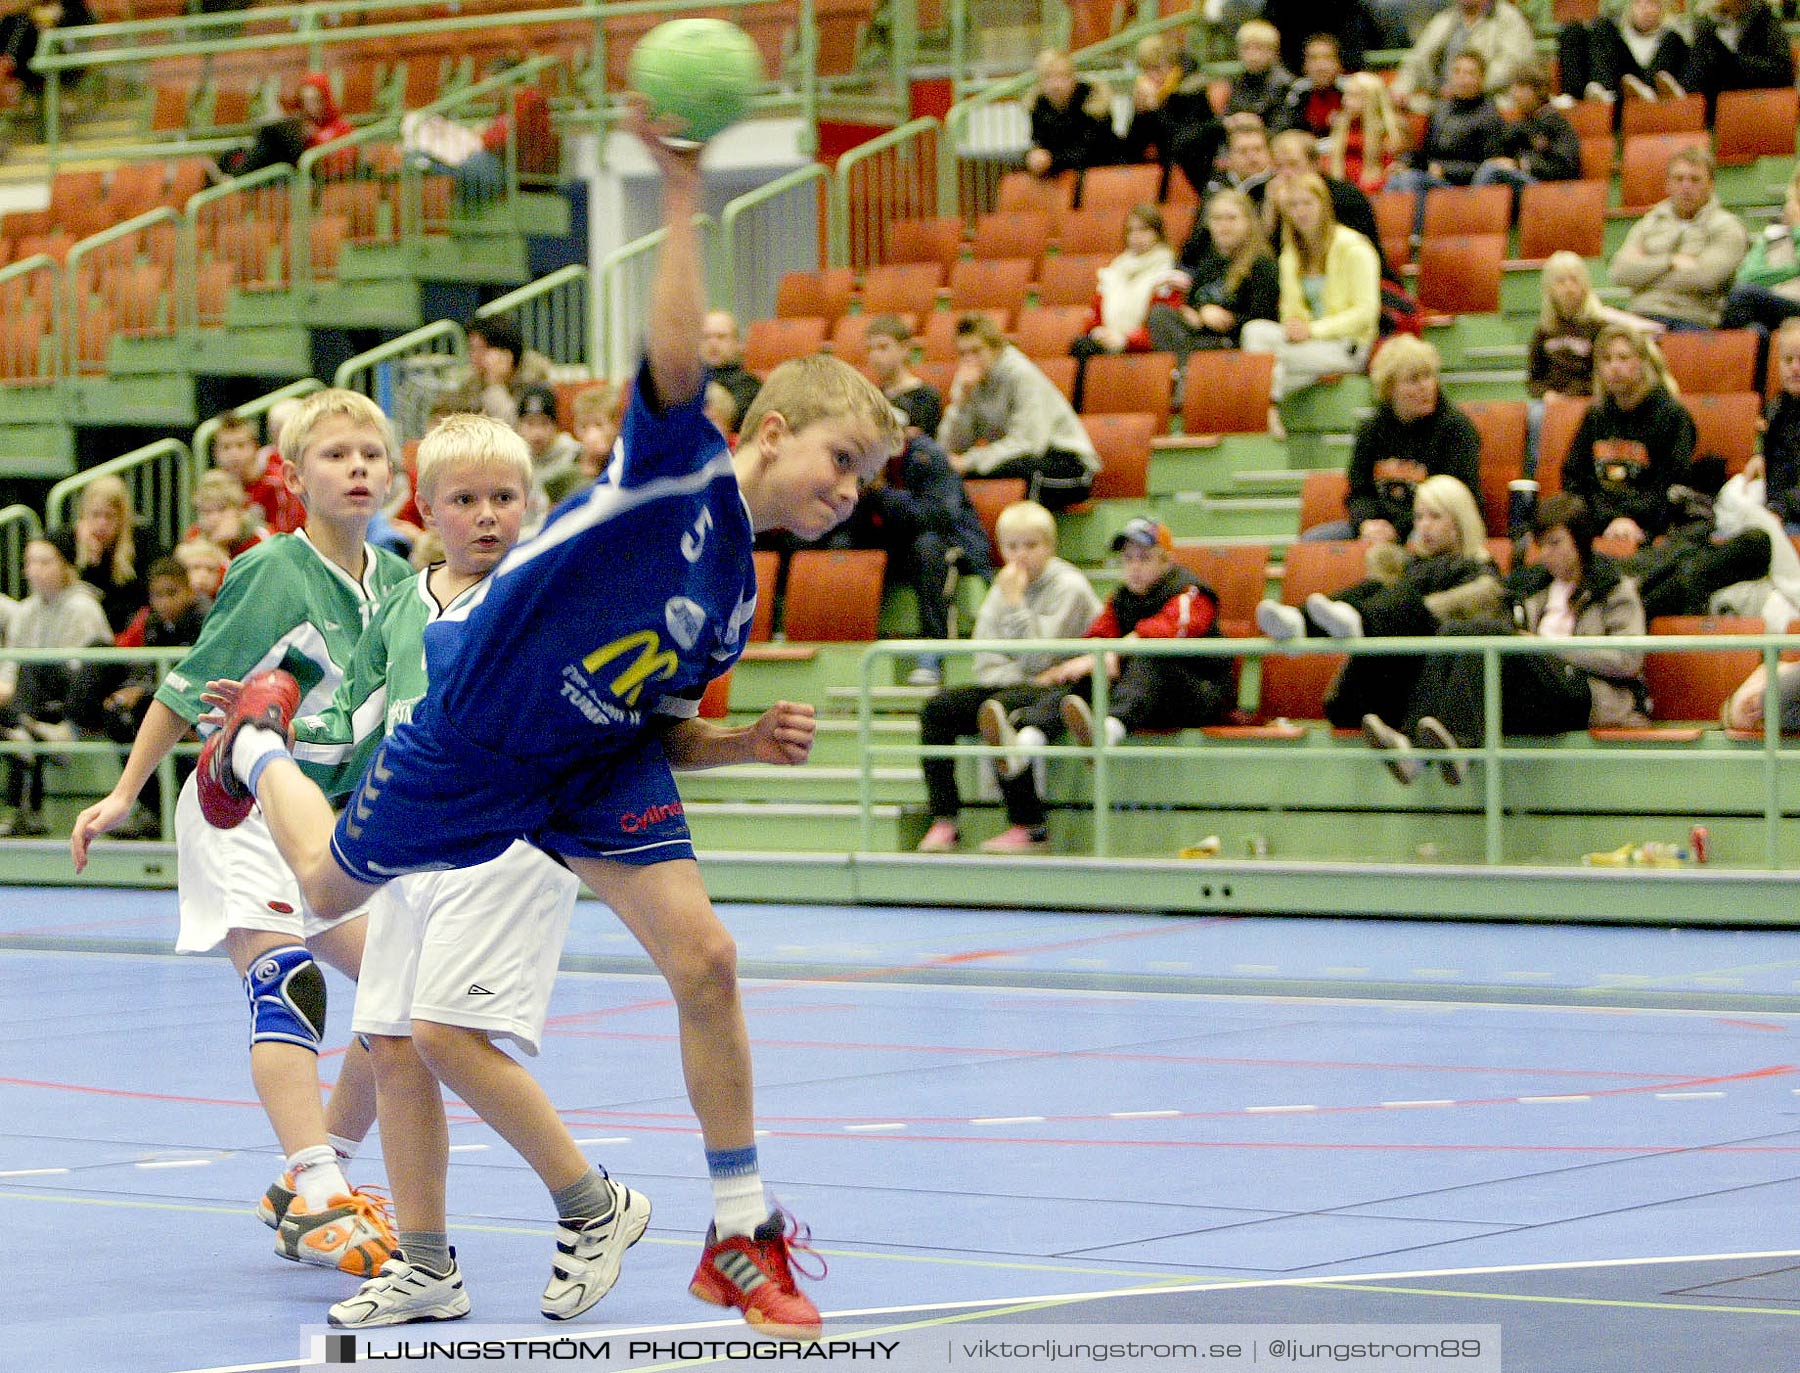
[385,680]
[283,605]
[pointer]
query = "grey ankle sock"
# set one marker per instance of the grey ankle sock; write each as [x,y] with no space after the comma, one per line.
[587,1198]
[427,1249]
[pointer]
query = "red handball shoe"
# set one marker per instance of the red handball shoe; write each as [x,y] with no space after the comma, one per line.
[269,699]
[756,1275]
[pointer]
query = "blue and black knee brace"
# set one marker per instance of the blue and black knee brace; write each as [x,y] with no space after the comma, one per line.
[287,998]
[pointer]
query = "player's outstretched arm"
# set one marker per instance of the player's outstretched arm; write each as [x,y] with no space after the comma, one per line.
[782,735]
[678,292]
[161,731]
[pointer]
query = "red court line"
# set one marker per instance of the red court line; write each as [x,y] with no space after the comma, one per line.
[119,1092]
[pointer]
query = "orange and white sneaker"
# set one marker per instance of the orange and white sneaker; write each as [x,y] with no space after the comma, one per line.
[275,1202]
[355,1233]
[755,1273]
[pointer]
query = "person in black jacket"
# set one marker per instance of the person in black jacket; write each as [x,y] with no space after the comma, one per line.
[922,515]
[1781,439]
[1538,145]
[1465,131]
[1172,119]
[1414,434]
[1350,22]
[1739,46]
[1635,442]
[1639,49]
[1071,123]
[1261,87]
[1230,278]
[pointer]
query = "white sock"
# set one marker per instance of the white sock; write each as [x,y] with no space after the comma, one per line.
[345,1149]
[253,744]
[317,1177]
[1115,730]
[1029,737]
[738,1204]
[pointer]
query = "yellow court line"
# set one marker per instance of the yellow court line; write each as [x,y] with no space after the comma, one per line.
[1560,1301]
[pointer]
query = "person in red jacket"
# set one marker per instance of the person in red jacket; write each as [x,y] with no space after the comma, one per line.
[1159,600]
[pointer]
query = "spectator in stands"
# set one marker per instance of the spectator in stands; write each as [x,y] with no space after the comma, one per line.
[921,515]
[503,365]
[1561,358]
[1314,100]
[555,471]
[59,612]
[316,122]
[1492,30]
[1640,51]
[1248,165]
[1679,259]
[1172,120]
[205,562]
[1159,599]
[1743,709]
[1464,132]
[1330,293]
[598,412]
[719,406]
[1634,443]
[1767,292]
[890,353]
[1739,45]
[722,349]
[1261,86]
[225,515]
[1350,24]
[1035,595]
[1781,432]
[1366,139]
[20,32]
[477,160]
[1296,154]
[1005,418]
[1442,573]
[1229,279]
[1415,433]
[1566,593]
[1537,144]
[258,471]
[112,549]
[1126,287]
[1071,120]
[115,706]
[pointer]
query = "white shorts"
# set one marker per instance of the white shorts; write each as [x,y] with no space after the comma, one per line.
[235,879]
[471,947]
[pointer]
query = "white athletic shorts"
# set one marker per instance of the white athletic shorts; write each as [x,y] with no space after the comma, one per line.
[235,879]
[472,947]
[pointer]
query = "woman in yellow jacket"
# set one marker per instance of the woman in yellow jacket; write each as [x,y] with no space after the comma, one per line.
[1330,293]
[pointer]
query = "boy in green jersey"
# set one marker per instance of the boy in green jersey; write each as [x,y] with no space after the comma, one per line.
[298,602]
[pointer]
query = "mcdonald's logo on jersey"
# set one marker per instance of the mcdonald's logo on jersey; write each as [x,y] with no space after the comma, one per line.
[644,660]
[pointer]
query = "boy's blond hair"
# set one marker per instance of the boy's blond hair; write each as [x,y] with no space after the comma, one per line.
[1025,518]
[805,391]
[1258,31]
[600,404]
[332,403]
[217,484]
[471,441]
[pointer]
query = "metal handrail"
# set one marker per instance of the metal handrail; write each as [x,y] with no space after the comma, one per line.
[750,200]
[1494,752]
[912,131]
[181,287]
[19,525]
[201,446]
[545,289]
[43,262]
[171,511]
[610,296]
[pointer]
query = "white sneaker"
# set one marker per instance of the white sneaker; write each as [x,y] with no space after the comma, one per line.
[588,1259]
[924,676]
[355,1232]
[1638,88]
[1669,86]
[1078,719]
[1402,761]
[1433,734]
[400,1294]
[1280,622]
[998,731]
[1339,619]
[1595,91]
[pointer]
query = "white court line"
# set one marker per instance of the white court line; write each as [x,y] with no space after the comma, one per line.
[884,1125]
[173,1163]
[33,1172]
[608,1139]
[1689,1096]
[1007,1120]
[1276,1110]
[1408,1105]
[1173,1289]
[1170,1115]
[468,1148]
[1549,1100]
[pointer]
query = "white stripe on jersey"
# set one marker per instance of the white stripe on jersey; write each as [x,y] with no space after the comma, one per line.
[603,503]
[370,718]
[308,641]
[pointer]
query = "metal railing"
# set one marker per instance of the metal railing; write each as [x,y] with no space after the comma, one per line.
[19,525]
[257,409]
[405,375]
[764,233]
[159,477]
[1055,23]
[28,286]
[893,176]
[555,315]
[1495,753]
[625,276]
[156,236]
[222,224]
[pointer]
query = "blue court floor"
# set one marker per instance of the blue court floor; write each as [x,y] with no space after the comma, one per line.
[1589,1137]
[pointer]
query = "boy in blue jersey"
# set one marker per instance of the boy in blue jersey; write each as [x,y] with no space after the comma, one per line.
[564,690]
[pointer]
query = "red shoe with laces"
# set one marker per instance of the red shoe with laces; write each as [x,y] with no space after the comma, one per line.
[269,699]
[755,1273]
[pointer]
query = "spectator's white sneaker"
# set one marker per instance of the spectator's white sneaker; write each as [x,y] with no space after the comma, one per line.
[1339,619]
[1402,761]
[923,676]
[1280,622]
[1595,91]
[1078,719]
[1669,86]
[1637,88]
[997,731]
[1432,734]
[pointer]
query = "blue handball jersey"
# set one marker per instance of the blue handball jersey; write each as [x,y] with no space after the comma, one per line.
[634,595]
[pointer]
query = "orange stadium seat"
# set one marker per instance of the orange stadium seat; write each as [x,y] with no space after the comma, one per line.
[1711,362]
[989,496]
[1501,425]
[818,295]
[1097,232]
[1558,215]
[1562,417]
[1753,124]
[1023,191]
[1130,383]
[1324,497]
[1463,210]
[1122,187]
[1693,686]
[936,240]
[770,342]
[1237,573]
[1643,175]
[1227,392]
[993,284]
[1047,331]
[1070,280]
[937,341]
[1461,275]
[1009,234]
[904,288]
[833,595]
[768,574]
[1687,115]
[1726,426]
[1123,442]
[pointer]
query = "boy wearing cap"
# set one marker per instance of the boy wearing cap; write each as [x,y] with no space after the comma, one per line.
[555,456]
[1159,600]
